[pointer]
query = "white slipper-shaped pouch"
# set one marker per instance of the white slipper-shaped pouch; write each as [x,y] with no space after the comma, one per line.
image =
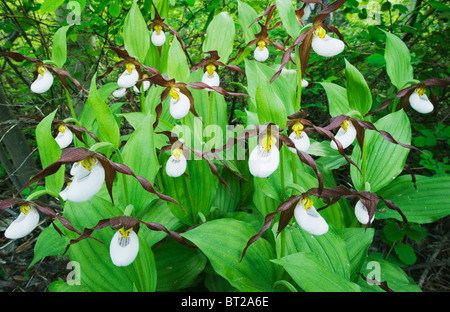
[24,224]
[309,219]
[419,101]
[43,81]
[124,247]
[345,135]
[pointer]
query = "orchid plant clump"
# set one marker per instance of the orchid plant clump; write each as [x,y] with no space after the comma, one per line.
[156,190]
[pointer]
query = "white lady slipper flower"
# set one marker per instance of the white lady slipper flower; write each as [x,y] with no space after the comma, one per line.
[308,218]
[119,93]
[325,45]
[345,135]
[265,157]
[129,77]
[300,138]
[305,83]
[64,136]
[179,103]
[261,52]
[158,36]
[43,81]
[210,77]
[362,214]
[144,84]
[124,247]
[24,224]
[176,164]
[420,102]
[88,177]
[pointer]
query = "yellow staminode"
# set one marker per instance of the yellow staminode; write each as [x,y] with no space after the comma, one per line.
[174,93]
[25,209]
[298,128]
[307,202]
[421,91]
[267,142]
[62,128]
[345,124]
[177,152]
[158,29]
[41,70]
[320,31]
[261,44]
[130,67]
[210,69]
[124,232]
[88,162]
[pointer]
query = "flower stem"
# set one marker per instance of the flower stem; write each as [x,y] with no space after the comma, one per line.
[299,80]
[211,100]
[124,177]
[69,101]
[364,164]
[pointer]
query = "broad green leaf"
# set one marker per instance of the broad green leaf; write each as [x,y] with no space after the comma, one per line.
[384,271]
[102,274]
[405,253]
[49,243]
[312,275]
[135,33]
[108,128]
[398,61]
[49,152]
[269,107]
[357,242]
[385,160]
[50,5]
[177,67]
[177,265]
[427,204]
[140,155]
[358,93]
[63,286]
[337,99]
[246,15]
[287,15]
[254,273]
[329,248]
[220,36]
[59,47]
[284,89]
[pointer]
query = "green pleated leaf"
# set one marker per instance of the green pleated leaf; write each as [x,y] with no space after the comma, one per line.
[269,107]
[287,15]
[49,152]
[177,67]
[330,248]
[177,265]
[246,15]
[357,242]
[254,273]
[398,61]
[384,271]
[98,273]
[311,274]
[358,92]
[220,36]
[108,128]
[337,99]
[430,202]
[385,160]
[59,47]
[143,162]
[135,33]
[49,243]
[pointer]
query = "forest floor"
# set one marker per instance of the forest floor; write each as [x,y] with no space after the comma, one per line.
[431,270]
